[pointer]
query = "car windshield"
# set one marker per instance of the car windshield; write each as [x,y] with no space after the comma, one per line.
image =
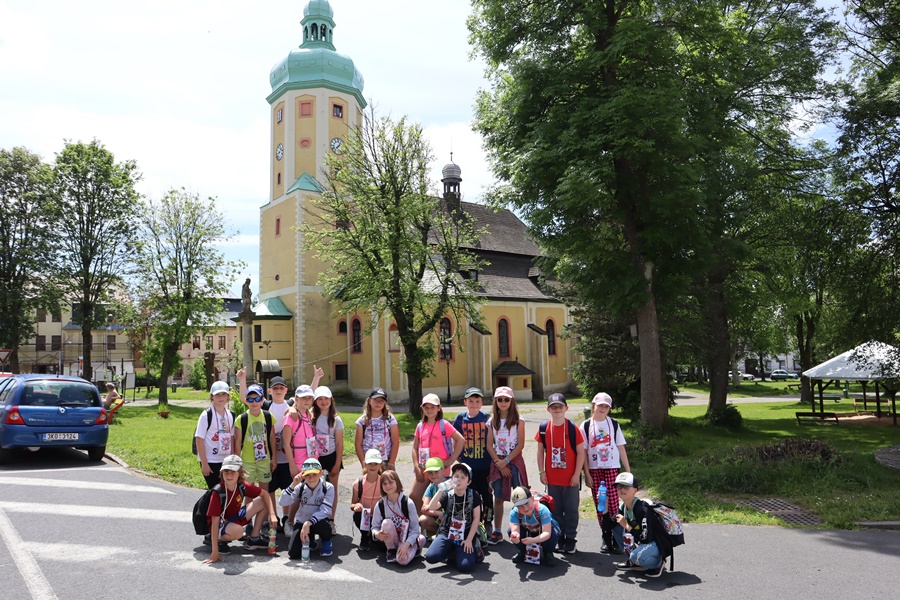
[52,392]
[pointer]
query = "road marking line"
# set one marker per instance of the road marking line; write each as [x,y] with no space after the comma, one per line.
[83,485]
[233,564]
[103,512]
[31,572]
[97,469]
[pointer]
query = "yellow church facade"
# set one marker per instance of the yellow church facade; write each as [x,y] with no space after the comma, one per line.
[316,99]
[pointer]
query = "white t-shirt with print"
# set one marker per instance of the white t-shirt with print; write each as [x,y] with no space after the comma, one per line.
[602,450]
[325,436]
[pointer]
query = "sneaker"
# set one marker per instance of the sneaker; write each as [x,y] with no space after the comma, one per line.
[655,572]
[519,558]
[570,546]
[548,560]
[288,529]
[326,549]
[254,543]
[207,540]
[605,548]
[224,548]
[392,555]
[365,541]
[561,545]
[495,538]
[629,566]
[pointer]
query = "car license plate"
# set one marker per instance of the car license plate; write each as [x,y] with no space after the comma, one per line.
[57,437]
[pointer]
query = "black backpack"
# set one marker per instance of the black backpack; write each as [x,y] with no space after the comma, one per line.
[270,423]
[542,430]
[198,514]
[209,412]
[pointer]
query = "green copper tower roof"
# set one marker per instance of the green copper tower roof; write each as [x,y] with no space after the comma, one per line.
[316,63]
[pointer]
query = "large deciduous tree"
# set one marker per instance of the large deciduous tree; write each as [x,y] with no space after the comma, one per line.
[98,207]
[27,243]
[180,276]
[615,127]
[390,245]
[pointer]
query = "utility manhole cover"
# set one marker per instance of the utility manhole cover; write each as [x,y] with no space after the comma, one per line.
[787,512]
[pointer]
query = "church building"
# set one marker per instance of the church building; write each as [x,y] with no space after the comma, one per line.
[317,97]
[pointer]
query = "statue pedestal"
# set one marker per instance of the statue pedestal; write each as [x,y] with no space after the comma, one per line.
[247,316]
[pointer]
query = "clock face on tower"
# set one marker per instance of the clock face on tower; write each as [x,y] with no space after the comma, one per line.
[337,145]
[279,151]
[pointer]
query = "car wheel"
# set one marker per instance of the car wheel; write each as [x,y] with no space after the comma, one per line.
[96,452]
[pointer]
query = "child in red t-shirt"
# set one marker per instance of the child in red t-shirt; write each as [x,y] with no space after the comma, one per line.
[228,524]
[560,459]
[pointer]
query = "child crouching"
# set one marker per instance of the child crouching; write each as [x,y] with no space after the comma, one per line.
[395,523]
[311,499]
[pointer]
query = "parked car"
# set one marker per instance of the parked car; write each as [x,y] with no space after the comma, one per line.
[38,411]
[744,376]
[781,375]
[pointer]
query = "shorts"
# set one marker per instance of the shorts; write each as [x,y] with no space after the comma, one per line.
[259,472]
[281,477]
[514,482]
[328,461]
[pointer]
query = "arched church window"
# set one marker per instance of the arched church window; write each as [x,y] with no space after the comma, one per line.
[315,31]
[324,29]
[503,338]
[306,33]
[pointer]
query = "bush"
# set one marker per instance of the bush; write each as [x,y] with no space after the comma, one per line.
[197,376]
[728,416]
[790,449]
[146,379]
[237,405]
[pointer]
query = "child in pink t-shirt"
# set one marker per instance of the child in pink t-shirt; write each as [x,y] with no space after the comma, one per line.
[432,438]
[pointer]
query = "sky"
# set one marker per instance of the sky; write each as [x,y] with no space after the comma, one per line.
[180,87]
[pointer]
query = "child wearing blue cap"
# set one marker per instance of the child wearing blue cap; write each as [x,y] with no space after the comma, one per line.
[254,440]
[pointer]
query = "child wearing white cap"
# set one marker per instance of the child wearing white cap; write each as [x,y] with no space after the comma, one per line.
[605,448]
[212,437]
[366,493]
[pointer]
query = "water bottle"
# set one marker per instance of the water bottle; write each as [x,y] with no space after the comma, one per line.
[304,554]
[273,547]
[601,498]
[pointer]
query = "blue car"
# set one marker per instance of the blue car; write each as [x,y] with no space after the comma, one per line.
[39,411]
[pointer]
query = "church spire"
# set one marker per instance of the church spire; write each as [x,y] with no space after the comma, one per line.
[318,25]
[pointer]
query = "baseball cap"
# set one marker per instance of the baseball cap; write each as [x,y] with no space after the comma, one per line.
[520,496]
[255,389]
[431,399]
[323,391]
[232,462]
[434,464]
[461,467]
[626,479]
[473,391]
[504,392]
[311,465]
[373,456]
[377,393]
[277,381]
[557,399]
[602,398]
[218,387]
[304,391]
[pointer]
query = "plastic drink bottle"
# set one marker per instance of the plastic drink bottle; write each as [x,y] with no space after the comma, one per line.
[273,548]
[304,553]
[601,498]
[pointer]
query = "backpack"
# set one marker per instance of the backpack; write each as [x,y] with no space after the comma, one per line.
[586,427]
[670,524]
[198,513]
[404,505]
[546,500]
[209,412]
[244,418]
[542,431]
[448,441]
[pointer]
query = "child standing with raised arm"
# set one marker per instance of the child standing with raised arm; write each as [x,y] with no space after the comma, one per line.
[560,459]
[605,448]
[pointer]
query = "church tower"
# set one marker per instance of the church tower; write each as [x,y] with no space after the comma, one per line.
[316,98]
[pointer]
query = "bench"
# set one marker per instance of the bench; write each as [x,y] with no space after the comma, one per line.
[816,416]
[793,386]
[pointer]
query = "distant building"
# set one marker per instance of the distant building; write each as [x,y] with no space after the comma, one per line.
[316,98]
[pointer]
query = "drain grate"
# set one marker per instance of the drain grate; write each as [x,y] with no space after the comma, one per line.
[787,512]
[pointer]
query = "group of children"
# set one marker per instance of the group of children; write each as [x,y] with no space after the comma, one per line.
[459,503]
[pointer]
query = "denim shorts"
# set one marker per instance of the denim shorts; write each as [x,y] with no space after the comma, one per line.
[497,485]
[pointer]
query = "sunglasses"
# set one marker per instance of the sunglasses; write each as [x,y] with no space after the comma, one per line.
[253,399]
[503,399]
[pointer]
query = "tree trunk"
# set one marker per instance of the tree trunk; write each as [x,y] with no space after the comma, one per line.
[718,355]
[165,367]
[86,371]
[209,364]
[414,378]
[806,323]
[14,359]
[654,397]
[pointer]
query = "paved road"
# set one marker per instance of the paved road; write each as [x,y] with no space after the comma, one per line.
[77,530]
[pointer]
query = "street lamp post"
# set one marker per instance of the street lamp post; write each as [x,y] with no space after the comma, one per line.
[445,343]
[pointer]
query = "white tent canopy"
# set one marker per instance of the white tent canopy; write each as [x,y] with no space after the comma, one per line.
[867,362]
